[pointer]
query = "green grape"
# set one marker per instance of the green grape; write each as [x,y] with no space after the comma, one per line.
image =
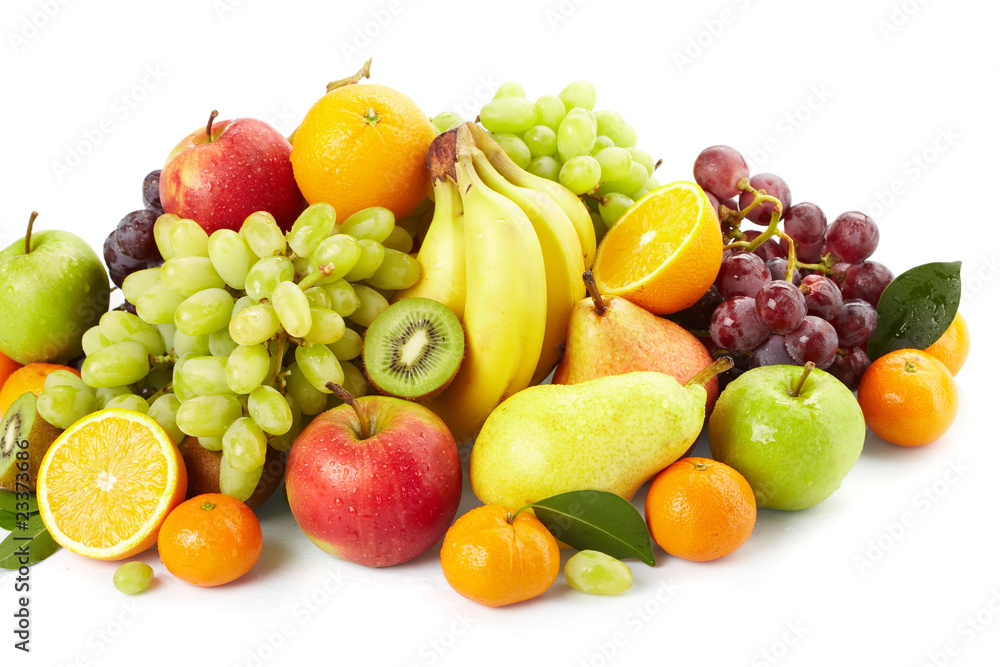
[579,94]
[177,383]
[610,124]
[157,304]
[319,365]
[354,380]
[509,89]
[546,167]
[540,140]
[129,402]
[580,174]
[185,345]
[508,115]
[373,223]
[261,232]
[639,194]
[247,368]
[105,394]
[93,340]
[311,400]
[629,185]
[206,375]
[244,445]
[372,253]
[446,120]
[202,313]
[241,303]
[63,405]
[254,325]
[235,483]
[615,163]
[651,184]
[190,275]
[167,333]
[212,444]
[231,257]
[157,379]
[292,308]
[349,346]
[220,343]
[161,230]
[164,411]
[343,297]
[187,239]
[600,144]
[644,158]
[208,415]
[327,326]
[627,138]
[118,326]
[265,275]
[600,229]
[515,149]
[597,573]
[133,578]
[612,207]
[115,365]
[576,136]
[270,410]
[318,297]
[136,283]
[399,239]
[60,378]
[339,253]
[300,265]
[284,442]
[551,111]
[397,271]
[312,226]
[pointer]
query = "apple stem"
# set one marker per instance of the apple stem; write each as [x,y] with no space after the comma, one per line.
[720,365]
[599,306]
[806,370]
[27,235]
[348,398]
[363,73]
[211,119]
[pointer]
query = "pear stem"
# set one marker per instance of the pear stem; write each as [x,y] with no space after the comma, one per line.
[27,235]
[599,305]
[208,127]
[720,365]
[348,398]
[806,370]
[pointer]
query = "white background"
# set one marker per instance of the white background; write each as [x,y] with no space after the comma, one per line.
[843,100]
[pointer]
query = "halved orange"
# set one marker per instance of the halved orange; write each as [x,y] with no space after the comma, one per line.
[664,252]
[107,483]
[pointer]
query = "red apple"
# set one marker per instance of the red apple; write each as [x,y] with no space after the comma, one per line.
[376,482]
[222,173]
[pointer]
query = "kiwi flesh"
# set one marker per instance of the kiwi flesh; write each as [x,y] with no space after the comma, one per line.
[414,349]
[22,423]
[203,471]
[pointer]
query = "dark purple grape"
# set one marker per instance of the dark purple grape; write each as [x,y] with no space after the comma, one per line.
[852,237]
[778,266]
[135,235]
[155,263]
[767,249]
[849,365]
[742,274]
[855,323]
[128,308]
[823,297]
[814,340]
[718,169]
[151,190]
[120,265]
[838,272]
[771,352]
[699,316]
[808,254]
[735,326]
[805,222]
[772,185]
[780,306]
[866,280]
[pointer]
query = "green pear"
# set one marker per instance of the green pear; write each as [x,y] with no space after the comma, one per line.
[608,434]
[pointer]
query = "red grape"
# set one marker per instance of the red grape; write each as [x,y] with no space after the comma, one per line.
[849,365]
[119,264]
[742,274]
[855,323]
[778,266]
[814,340]
[718,169]
[699,316]
[852,237]
[823,297]
[772,185]
[767,249]
[735,326]
[771,352]
[780,306]
[135,235]
[806,223]
[866,280]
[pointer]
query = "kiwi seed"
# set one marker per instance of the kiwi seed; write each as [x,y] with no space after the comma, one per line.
[22,423]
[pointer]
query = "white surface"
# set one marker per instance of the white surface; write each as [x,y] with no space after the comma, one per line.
[880,100]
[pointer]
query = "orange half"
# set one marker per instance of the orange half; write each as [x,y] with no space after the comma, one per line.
[107,483]
[664,252]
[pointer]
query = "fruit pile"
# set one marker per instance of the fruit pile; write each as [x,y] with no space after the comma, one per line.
[343,309]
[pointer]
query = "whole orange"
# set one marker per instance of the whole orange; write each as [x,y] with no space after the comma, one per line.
[7,366]
[363,145]
[495,560]
[28,378]
[700,509]
[952,348]
[908,397]
[210,540]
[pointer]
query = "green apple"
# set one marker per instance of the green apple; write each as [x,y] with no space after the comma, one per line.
[53,288]
[793,432]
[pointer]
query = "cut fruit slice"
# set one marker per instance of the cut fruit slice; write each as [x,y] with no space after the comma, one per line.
[22,429]
[107,483]
[664,252]
[414,349]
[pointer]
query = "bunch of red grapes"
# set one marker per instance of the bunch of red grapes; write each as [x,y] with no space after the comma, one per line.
[764,312]
[130,246]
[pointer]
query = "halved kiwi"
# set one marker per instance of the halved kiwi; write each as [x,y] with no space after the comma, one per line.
[22,423]
[414,349]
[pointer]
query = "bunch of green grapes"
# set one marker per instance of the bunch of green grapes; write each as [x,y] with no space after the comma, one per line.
[561,138]
[237,335]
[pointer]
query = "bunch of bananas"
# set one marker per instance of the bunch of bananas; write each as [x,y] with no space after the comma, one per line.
[505,251]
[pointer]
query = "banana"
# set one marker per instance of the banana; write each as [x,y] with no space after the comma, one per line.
[504,316]
[442,253]
[569,202]
[561,251]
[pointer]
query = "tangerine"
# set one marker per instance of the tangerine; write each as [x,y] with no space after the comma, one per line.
[28,378]
[952,348]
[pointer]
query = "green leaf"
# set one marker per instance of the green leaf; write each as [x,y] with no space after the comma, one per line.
[9,502]
[916,308]
[39,545]
[7,520]
[597,520]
